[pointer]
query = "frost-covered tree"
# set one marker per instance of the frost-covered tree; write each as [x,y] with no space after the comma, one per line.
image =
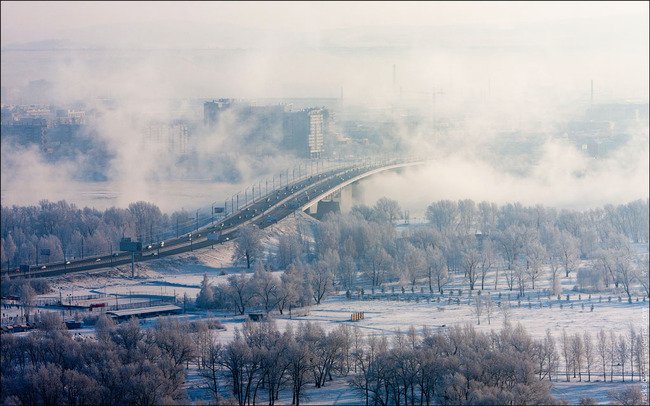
[388,209]
[630,395]
[568,251]
[267,287]
[248,245]
[414,263]
[289,251]
[470,261]
[291,290]
[436,269]
[488,260]
[321,280]
[589,353]
[205,297]
[239,291]
[443,214]
[535,257]
[378,262]
[603,352]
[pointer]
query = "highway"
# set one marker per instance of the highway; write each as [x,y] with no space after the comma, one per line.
[262,212]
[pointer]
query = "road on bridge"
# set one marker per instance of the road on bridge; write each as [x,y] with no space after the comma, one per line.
[261,212]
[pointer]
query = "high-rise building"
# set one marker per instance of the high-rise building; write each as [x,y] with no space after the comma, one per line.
[295,132]
[317,128]
[170,137]
[212,109]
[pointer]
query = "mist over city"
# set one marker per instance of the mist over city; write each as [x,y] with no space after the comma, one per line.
[236,172]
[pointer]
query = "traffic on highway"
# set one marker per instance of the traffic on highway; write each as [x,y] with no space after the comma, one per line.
[262,212]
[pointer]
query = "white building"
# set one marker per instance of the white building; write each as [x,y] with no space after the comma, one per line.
[316,133]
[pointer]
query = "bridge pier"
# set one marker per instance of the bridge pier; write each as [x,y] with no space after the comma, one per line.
[340,201]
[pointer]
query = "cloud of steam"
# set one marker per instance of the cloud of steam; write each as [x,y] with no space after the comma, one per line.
[563,177]
[27,177]
[480,79]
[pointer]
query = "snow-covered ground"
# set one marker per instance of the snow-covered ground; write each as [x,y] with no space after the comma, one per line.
[385,313]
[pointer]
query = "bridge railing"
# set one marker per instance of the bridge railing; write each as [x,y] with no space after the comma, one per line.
[205,216]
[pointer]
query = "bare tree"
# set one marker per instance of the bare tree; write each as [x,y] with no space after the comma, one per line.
[601,345]
[568,250]
[211,368]
[266,287]
[205,296]
[521,276]
[577,355]
[478,308]
[641,354]
[488,304]
[27,297]
[436,268]
[631,395]
[612,356]
[488,260]
[289,251]
[554,264]
[625,273]
[567,353]
[588,352]
[248,244]
[388,209]
[443,214]
[506,311]
[377,263]
[240,291]
[551,354]
[643,273]
[298,355]
[321,281]
[535,256]
[622,355]
[631,336]
[511,242]
[290,287]
[414,261]
[470,262]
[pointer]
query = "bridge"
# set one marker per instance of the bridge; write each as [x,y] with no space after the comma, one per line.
[304,194]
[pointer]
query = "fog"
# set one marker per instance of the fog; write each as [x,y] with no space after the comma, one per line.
[481,69]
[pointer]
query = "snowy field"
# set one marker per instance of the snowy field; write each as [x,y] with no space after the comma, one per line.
[385,313]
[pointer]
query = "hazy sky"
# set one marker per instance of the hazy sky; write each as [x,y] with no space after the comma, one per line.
[36,21]
[497,66]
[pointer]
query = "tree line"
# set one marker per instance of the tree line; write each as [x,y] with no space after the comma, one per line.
[126,364]
[54,231]
[488,246]
[517,245]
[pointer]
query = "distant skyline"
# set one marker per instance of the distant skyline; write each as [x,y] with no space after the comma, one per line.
[494,68]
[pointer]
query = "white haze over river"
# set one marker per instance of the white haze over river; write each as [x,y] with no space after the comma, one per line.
[487,69]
